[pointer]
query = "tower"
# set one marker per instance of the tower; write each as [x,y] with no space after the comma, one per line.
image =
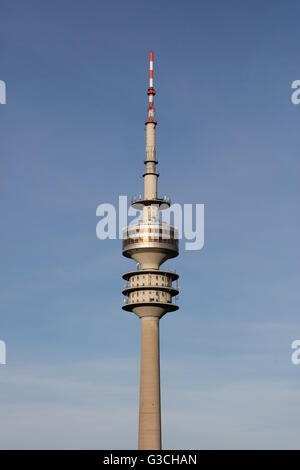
[149,290]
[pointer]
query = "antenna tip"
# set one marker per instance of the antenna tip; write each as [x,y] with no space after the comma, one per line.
[151,55]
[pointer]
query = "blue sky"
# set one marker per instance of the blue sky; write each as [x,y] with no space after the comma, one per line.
[72,137]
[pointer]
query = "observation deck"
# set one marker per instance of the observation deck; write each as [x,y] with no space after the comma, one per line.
[154,237]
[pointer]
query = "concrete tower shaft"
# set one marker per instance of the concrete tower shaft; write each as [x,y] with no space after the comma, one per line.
[149,412]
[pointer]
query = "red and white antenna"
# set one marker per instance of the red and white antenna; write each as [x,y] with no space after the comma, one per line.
[151,92]
[151,70]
